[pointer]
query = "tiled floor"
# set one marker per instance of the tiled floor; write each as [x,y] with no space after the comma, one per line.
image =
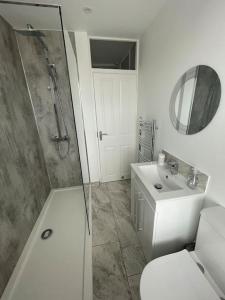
[118,259]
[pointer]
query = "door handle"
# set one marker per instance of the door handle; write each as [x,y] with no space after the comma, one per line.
[101,135]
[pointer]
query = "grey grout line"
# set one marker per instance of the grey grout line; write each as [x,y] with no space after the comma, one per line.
[134,275]
[130,286]
[117,242]
[125,272]
[146,261]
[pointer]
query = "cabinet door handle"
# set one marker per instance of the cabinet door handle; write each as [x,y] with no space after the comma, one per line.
[140,214]
[135,212]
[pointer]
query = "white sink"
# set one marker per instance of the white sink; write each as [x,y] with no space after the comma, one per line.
[165,219]
[162,181]
[169,186]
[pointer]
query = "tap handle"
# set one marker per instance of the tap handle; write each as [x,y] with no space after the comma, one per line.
[172,163]
[194,171]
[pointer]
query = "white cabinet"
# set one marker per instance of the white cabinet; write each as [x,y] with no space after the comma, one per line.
[164,226]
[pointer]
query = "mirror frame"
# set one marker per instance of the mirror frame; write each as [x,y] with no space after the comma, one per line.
[189,74]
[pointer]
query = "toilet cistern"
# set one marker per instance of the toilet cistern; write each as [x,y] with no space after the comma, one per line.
[177,276]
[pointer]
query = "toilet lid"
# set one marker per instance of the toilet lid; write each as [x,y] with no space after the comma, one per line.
[175,277]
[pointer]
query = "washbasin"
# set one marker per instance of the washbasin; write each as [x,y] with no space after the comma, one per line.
[159,178]
[165,219]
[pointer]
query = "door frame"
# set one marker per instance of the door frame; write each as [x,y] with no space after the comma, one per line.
[113,71]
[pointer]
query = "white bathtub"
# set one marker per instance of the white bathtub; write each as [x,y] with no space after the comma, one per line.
[53,268]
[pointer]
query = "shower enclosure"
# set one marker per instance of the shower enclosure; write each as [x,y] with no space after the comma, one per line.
[55,91]
[42,138]
[62,136]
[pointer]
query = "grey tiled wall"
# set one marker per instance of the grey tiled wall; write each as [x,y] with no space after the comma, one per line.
[184,169]
[62,172]
[24,183]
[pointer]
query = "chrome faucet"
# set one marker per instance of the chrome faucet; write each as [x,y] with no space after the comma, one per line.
[173,166]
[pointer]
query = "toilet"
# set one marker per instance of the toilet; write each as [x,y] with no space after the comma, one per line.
[196,275]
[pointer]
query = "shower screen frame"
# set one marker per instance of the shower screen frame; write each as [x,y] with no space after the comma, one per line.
[59,7]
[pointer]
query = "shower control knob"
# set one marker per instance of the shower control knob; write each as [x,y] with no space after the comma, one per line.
[59,139]
[55,139]
[65,138]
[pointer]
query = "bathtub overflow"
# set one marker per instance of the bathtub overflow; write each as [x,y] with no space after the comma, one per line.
[46,234]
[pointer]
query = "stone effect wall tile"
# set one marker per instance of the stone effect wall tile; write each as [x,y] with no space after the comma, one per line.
[62,172]
[24,182]
[184,170]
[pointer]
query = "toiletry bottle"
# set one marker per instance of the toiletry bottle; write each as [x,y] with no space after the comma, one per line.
[161,158]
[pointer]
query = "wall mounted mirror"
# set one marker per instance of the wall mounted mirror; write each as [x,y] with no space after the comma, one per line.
[195,99]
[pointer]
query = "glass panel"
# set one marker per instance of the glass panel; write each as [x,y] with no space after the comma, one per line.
[77,104]
[43,149]
[111,54]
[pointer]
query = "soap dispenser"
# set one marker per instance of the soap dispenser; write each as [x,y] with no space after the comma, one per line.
[193,180]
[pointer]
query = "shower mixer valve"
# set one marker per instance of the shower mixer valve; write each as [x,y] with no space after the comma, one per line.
[54,88]
[59,139]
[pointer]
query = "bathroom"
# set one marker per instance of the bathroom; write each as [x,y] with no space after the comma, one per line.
[105,192]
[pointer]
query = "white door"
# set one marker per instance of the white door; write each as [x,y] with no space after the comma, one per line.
[116,108]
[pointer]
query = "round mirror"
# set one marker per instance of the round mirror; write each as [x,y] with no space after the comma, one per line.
[195,99]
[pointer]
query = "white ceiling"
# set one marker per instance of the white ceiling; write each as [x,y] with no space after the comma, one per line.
[119,18]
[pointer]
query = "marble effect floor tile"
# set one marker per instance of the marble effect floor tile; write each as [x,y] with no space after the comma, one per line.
[118,186]
[100,196]
[134,283]
[109,280]
[134,260]
[120,202]
[117,252]
[125,230]
[103,224]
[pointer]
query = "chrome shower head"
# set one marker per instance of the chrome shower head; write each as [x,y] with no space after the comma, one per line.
[35,33]
[31,32]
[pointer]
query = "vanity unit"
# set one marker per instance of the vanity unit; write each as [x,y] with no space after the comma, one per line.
[164,211]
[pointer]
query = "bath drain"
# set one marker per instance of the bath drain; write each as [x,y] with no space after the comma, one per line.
[46,234]
[158,186]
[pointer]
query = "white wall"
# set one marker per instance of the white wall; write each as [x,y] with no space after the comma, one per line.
[185,34]
[88,102]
